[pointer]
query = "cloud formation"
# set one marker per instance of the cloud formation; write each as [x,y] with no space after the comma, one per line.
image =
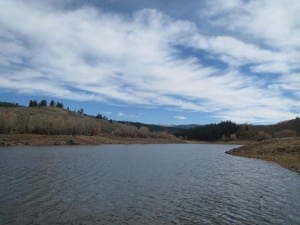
[87,53]
[180,117]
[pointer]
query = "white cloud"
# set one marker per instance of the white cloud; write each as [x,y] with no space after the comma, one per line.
[275,22]
[272,29]
[290,83]
[125,115]
[271,68]
[121,114]
[107,113]
[89,54]
[180,117]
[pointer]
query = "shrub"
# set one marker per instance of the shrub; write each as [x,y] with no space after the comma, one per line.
[261,135]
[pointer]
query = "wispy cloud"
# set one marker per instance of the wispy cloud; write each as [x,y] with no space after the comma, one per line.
[276,22]
[180,117]
[90,54]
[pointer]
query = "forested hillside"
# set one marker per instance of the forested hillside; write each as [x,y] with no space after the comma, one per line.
[230,131]
[212,132]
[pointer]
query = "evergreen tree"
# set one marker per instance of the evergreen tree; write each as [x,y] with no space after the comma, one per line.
[9,104]
[33,103]
[59,105]
[52,103]
[99,116]
[43,103]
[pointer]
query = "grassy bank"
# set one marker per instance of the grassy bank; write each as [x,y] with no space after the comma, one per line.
[35,139]
[284,151]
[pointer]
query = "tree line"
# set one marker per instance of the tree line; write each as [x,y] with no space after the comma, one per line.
[43,103]
[52,103]
[210,132]
[9,104]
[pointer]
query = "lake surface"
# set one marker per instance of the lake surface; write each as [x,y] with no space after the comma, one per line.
[143,184]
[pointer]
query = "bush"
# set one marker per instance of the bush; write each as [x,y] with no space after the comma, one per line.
[261,135]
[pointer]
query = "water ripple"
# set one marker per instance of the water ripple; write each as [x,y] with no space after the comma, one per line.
[143,184]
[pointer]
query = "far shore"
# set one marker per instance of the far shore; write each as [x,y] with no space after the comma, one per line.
[284,151]
[236,142]
[37,139]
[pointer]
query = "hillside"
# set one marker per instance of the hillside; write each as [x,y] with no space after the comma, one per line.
[51,120]
[289,128]
[211,132]
[59,121]
[228,130]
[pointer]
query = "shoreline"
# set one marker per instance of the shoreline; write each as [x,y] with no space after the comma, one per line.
[46,140]
[283,151]
[43,139]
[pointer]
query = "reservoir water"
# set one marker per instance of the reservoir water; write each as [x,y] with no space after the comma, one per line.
[143,184]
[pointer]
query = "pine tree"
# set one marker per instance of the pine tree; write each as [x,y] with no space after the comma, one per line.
[43,103]
[59,105]
[33,103]
[52,103]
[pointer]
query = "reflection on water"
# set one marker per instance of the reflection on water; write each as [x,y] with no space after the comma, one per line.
[143,184]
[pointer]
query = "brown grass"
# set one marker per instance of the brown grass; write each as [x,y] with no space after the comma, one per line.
[284,151]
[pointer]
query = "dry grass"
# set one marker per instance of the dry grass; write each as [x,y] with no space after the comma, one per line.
[284,151]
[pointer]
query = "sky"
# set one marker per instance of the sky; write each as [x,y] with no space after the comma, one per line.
[163,62]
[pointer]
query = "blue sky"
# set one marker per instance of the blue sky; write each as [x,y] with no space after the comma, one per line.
[164,62]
